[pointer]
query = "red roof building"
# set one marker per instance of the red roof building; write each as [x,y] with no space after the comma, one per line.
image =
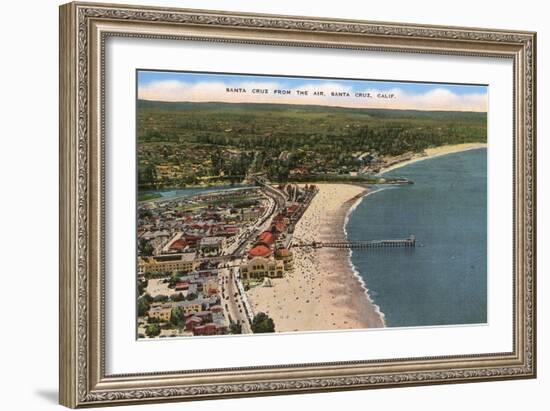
[266,238]
[278,226]
[259,251]
[179,244]
[181,285]
[216,309]
[292,209]
[192,322]
[207,329]
[192,239]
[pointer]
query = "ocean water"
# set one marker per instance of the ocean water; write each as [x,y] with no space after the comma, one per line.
[443,280]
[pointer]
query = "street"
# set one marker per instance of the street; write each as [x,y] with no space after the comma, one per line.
[232,300]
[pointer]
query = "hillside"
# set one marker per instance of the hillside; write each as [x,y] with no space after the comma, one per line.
[191,141]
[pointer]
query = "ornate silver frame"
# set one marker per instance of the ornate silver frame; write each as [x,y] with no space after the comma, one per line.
[83,30]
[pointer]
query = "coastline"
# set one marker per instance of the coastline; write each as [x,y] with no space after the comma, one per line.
[356,272]
[323,291]
[434,152]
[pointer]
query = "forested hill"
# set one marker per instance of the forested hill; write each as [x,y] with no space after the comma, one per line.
[262,107]
[286,136]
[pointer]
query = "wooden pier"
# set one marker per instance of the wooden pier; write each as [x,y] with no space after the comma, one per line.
[404,242]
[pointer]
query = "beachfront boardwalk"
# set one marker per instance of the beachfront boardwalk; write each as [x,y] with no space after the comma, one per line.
[405,242]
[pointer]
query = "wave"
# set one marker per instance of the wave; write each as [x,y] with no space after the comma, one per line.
[356,273]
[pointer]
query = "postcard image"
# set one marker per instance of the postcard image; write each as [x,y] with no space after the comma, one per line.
[276,204]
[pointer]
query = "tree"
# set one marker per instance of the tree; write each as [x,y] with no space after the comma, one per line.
[174,278]
[147,175]
[217,160]
[143,306]
[235,328]
[152,330]
[145,213]
[176,317]
[262,323]
[145,248]
[177,297]
[160,298]
[142,286]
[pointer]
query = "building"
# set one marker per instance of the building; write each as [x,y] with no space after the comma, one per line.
[218,318]
[153,235]
[205,316]
[193,289]
[160,312]
[292,209]
[215,309]
[261,267]
[192,240]
[229,230]
[206,329]
[285,255]
[266,238]
[185,262]
[178,246]
[278,225]
[212,245]
[251,214]
[192,322]
[259,250]
[210,286]
[189,307]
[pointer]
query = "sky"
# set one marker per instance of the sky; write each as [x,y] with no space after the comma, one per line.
[208,87]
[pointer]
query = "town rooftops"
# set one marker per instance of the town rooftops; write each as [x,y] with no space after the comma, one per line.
[278,226]
[186,257]
[266,237]
[179,243]
[193,319]
[292,209]
[211,241]
[160,307]
[208,301]
[216,309]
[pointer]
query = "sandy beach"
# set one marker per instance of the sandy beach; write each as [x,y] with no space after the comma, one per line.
[435,152]
[322,292]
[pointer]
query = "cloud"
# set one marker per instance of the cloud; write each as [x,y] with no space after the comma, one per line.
[326,93]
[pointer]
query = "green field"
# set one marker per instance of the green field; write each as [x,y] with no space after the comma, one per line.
[183,144]
[148,196]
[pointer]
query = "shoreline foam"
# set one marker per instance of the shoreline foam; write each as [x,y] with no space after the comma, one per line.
[354,269]
[322,292]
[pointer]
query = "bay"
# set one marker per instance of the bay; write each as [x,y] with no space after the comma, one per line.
[443,280]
